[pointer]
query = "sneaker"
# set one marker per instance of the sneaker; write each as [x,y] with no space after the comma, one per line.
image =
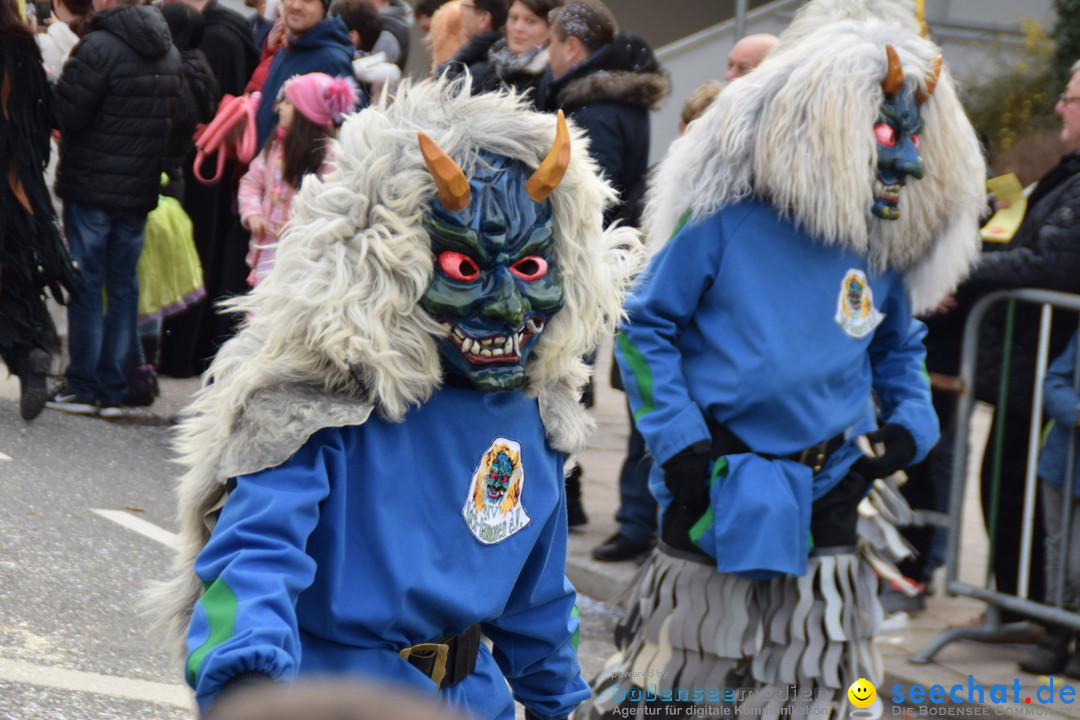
[70,402]
[33,387]
[111,412]
[618,547]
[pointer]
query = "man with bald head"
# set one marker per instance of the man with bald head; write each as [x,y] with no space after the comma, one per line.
[747,54]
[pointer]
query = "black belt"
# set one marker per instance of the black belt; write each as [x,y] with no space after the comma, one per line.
[725,442]
[448,661]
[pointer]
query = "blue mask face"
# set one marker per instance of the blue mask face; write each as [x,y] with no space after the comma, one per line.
[896,132]
[496,284]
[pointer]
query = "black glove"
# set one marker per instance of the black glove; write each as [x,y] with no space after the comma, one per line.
[899,450]
[686,475]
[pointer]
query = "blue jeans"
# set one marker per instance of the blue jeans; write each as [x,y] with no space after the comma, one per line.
[637,507]
[106,244]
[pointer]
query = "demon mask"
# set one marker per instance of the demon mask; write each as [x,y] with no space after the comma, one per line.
[496,283]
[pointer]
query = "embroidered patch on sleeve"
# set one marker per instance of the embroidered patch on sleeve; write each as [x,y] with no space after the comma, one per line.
[855,311]
[493,509]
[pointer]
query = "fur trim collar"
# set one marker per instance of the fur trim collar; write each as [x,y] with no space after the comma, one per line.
[623,87]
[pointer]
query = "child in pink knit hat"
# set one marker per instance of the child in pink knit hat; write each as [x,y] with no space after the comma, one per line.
[307,110]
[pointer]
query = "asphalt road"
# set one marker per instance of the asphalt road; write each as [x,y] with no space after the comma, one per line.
[72,642]
[86,508]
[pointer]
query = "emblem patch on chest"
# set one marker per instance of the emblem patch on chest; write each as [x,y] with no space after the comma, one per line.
[855,311]
[493,509]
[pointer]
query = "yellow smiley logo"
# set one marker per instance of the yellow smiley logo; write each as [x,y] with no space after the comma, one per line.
[862,693]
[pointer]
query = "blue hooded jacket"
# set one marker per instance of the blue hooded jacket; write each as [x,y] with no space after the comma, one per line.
[325,48]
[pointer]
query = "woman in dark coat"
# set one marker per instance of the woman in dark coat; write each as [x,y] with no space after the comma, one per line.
[32,258]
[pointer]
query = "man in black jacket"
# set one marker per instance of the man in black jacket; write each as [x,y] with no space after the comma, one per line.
[1044,253]
[116,100]
[607,82]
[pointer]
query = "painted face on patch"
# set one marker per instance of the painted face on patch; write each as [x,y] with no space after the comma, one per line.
[896,132]
[855,291]
[498,480]
[496,284]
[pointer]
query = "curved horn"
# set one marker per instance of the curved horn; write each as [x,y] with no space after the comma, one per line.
[894,78]
[922,96]
[550,173]
[453,188]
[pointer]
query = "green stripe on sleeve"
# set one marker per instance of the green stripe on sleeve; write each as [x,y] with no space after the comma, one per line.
[219,603]
[642,375]
[575,639]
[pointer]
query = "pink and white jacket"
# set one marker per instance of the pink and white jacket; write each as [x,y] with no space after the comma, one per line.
[264,191]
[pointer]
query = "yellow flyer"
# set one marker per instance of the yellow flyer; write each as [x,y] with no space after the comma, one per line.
[1005,222]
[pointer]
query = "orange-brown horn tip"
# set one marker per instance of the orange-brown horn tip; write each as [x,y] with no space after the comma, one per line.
[550,173]
[454,192]
[931,82]
[894,78]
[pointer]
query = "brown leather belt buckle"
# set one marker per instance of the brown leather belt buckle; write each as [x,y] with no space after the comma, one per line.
[814,456]
[429,655]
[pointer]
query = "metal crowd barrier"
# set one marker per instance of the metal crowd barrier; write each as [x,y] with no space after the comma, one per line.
[998,601]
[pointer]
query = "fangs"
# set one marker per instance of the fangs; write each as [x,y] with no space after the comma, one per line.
[494,348]
[888,193]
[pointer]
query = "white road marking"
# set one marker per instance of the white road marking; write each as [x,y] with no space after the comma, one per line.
[4,457]
[111,685]
[144,528]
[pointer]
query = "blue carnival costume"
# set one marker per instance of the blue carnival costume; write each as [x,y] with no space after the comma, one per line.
[746,321]
[375,463]
[775,369]
[359,506]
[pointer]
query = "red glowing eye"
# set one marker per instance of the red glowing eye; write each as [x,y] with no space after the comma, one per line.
[885,134]
[458,266]
[530,268]
[915,141]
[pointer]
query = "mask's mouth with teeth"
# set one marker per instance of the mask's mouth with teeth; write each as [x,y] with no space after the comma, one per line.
[887,199]
[493,349]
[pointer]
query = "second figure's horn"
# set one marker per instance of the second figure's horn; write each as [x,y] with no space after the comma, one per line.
[922,96]
[550,173]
